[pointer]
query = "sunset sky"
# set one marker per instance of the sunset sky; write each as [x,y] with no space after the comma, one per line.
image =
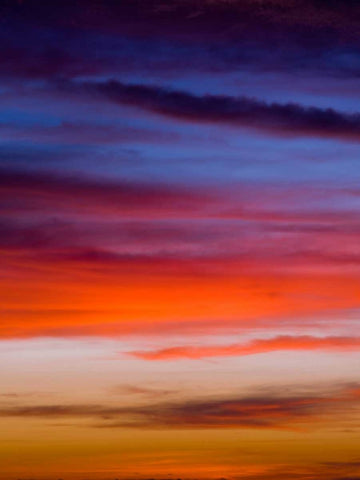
[179,239]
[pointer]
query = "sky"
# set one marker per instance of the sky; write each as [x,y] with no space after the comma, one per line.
[179,240]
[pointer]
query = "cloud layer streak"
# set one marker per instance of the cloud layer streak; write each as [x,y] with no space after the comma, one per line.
[281,119]
[281,343]
[258,411]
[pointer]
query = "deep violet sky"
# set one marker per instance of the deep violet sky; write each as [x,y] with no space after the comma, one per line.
[179,239]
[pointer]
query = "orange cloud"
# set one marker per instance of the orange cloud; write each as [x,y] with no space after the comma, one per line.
[93,302]
[285,342]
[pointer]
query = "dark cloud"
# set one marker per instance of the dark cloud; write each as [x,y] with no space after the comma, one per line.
[347,478]
[349,464]
[74,237]
[281,119]
[18,236]
[243,412]
[180,35]
[27,190]
[201,17]
[44,63]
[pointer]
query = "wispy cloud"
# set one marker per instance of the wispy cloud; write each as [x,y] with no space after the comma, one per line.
[276,118]
[257,411]
[74,192]
[280,343]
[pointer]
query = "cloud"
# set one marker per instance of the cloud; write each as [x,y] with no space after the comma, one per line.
[41,62]
[280,343]
[257,411]
[76,323]
[72,133]
[142,391]
[280,119]
[31,191]
[202,17]
[100,294]
[347,478]
[183,35]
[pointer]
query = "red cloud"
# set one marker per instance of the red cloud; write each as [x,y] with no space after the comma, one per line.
[280,343]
